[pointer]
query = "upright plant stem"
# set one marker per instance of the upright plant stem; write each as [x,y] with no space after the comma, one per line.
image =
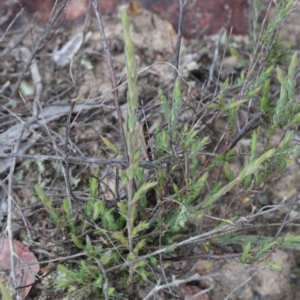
[132,129]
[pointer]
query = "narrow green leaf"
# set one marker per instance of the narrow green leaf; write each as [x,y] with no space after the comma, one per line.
[89,208]
[108,219]
[139,246]
[235,104]
[287,139]
[230,154]
[224,85]
[153,261]
[276,267]
[121,238]
[296,119]
[4,292]
[227,171]
[165,104]
[264,248]
[176,189]
[106,257]
[132,256]
[110,145]
[144,274]
[177,93]
[46,200]
[171,248]
[136,158]
[123,209]
[67,209]
[247,249]
[140,264]
[293,65]
[209,200]
[131,171]
[143,190]
[213,106]
[88,242]
[124,178]
[98,208]
[235,53]
[111,291]
[246,254]
[253,146]
[254,92]
[141,226]
[94,186]
[253,167]
[76,242]
[288,6]
[280,75]
[65,270]
[292,239]
[270,70]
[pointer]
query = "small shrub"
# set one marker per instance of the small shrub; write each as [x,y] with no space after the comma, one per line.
[186,188]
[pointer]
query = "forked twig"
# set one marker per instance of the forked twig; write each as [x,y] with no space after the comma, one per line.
[177,282]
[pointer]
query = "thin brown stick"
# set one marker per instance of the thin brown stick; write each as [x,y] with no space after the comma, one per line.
[65,167]
[250,126]
[177,282]
[117,162]
[287,215]
[11,23]
[112,73]
[209,256]
[178,42]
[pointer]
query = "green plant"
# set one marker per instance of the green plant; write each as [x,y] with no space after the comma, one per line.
[4,292]
[195,178]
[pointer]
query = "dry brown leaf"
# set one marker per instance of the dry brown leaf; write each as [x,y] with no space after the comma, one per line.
[26,264]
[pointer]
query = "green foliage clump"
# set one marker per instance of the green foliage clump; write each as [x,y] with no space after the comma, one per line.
[186,189]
